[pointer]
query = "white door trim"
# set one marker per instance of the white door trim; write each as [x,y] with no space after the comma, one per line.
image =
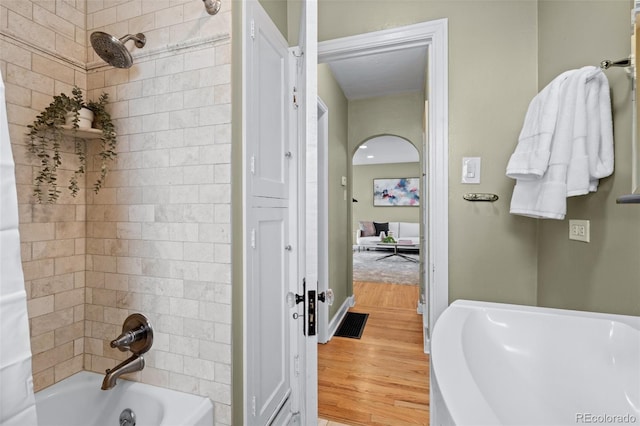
[433,34]
[323,219]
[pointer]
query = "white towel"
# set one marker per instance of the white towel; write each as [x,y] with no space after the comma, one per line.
[581,147]
[531,156]
[600,151]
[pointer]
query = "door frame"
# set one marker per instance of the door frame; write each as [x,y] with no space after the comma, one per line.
[323,219]
[434,35]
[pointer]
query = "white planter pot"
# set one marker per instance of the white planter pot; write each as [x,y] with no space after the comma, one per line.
[85,118]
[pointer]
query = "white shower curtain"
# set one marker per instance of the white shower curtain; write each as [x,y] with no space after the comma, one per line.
[17,403]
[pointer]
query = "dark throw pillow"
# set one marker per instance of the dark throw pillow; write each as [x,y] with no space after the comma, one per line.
[381,227]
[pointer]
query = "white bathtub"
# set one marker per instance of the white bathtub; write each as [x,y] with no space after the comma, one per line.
[498,364]
[79,401]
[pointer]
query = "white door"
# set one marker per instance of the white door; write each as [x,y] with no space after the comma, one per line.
[280,346]
[270,208]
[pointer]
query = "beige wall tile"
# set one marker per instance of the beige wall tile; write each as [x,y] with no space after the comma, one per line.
[64,265]
[43,342]
[69,333]
[37,269]
[67,368]
[68,299]
[50,358]
[43,379]
[37,231]
[55,248]
[40,306]
[51,321]
[51,285]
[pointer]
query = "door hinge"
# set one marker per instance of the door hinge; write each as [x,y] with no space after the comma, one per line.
[252,165]
[296,365]
[253,238]
[253,406]
[252,30]
[295,98]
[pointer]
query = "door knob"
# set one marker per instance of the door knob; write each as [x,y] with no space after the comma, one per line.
[293,299]
[326,297]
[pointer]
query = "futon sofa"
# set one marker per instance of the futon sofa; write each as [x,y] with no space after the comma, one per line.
[368,233]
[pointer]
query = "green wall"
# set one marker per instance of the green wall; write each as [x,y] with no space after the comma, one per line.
[493,48]
[277,11]
[340,266]
[603,275]
[400,115]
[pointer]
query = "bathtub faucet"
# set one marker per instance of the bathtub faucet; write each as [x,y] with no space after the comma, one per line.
[130,365]
[137,337]
[124,341]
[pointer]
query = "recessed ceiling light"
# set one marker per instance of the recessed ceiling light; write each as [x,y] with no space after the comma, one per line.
[363,147]
[369,156]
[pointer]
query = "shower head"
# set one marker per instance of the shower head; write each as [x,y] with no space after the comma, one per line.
[113,51]
[212,6]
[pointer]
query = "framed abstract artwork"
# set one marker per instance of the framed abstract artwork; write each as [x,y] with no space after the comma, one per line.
[396,192]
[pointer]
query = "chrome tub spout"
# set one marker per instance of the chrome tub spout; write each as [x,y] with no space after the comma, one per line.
[130,365]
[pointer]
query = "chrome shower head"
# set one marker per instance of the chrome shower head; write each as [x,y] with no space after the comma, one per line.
[113,51]
[212,6]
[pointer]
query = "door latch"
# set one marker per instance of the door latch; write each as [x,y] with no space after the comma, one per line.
[309,312]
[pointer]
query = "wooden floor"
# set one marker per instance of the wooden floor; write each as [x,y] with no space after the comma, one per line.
[382,378]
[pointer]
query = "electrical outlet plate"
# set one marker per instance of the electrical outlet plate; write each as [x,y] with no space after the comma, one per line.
[579,230]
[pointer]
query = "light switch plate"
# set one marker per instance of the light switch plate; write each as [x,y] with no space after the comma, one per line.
[470,169]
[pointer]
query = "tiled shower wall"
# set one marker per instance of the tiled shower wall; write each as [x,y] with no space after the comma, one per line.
[42,53]
[156,239]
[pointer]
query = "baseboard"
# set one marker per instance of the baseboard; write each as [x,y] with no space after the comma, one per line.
[339,316]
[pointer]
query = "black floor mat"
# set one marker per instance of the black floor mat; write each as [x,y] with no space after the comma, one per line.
[352,325]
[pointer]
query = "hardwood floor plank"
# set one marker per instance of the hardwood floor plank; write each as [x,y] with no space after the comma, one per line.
[382,378]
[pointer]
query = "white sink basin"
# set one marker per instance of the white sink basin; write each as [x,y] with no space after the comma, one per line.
[498,364]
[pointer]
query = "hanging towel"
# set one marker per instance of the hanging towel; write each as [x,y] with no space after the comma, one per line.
[580,148]
[531,157]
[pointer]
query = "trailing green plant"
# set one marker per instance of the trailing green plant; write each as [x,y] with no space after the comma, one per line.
[46,134]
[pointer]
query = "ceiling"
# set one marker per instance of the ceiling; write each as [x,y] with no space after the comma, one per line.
[382,73]
[386,149]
